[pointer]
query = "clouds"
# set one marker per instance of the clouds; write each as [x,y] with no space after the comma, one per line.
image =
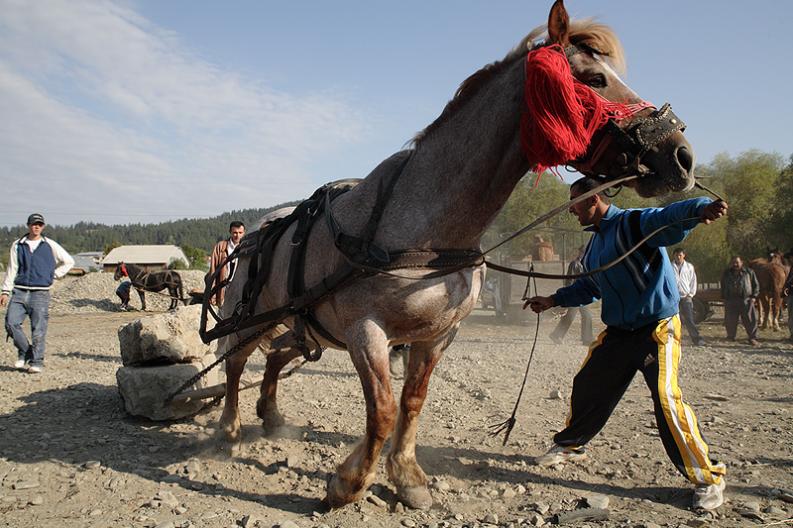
[105,112]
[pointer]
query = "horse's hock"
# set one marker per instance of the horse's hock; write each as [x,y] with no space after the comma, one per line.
[159,353]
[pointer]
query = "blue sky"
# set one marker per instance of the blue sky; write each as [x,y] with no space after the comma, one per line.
[141,111]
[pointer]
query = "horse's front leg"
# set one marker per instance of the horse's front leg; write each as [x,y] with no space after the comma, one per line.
[230,419]
[368,347]
[403,469]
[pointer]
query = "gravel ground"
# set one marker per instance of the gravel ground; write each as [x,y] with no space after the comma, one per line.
[71,457]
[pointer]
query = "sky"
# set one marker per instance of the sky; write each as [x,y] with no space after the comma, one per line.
[145,111]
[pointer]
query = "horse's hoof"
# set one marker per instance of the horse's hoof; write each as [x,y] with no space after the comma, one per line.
[416,497]
[337,496]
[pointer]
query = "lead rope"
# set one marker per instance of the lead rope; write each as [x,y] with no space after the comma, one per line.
[508,424]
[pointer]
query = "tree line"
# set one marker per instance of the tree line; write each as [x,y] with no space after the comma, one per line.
[196,237]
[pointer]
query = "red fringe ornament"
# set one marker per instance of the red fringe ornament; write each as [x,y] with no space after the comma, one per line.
[561,114]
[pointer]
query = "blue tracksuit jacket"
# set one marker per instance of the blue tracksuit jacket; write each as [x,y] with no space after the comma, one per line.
[641,289]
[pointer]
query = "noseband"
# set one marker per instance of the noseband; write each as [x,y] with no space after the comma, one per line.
[635,140]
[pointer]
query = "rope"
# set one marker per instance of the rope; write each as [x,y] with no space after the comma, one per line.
[508,424]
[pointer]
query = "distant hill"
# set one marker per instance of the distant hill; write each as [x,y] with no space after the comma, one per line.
[86,236]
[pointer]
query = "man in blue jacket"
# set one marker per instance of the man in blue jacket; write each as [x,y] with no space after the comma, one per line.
[640,309]
[34,262]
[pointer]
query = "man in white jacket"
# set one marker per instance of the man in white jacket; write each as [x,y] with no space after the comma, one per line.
[33,264]
[687,287]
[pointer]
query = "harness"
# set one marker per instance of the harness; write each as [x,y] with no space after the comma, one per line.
[362,257]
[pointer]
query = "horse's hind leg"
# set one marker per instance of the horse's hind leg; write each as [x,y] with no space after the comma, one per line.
[403,469]
[267,406]
[369,353]
[230,419]
[142,299]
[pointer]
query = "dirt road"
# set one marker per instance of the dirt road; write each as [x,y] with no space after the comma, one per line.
[71,457]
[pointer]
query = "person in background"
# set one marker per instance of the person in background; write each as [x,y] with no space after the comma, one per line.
[575,267]
[123,294]
[223,249]
[787,292]
[639,308]
[739,289]
[687,288]
[33,264]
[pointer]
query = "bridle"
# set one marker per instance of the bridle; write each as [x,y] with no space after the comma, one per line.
[635,140]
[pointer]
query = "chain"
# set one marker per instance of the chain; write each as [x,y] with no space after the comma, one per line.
[227,354]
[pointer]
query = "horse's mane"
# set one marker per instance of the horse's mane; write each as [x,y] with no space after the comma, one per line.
[588,33]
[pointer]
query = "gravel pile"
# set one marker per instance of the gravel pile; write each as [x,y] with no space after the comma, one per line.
[95,292]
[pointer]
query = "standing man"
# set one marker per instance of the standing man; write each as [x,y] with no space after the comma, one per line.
[575,267]
[223,249]
[640,304]
[739,289]
[33,264]
[787,292]
[687,288]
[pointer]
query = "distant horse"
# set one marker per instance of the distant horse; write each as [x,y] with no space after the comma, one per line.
[157,281]
[450,187]
[771,273]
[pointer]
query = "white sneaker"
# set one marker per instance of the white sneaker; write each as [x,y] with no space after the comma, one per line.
[20,364]
[709,496]
[35,369]
[559,455]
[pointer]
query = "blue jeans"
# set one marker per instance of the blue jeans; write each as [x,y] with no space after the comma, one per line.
[687,316]
[36,305]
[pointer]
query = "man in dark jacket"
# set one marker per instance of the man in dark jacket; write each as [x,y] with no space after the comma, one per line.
[739,289]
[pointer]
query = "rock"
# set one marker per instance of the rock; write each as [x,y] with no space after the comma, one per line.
[786,497]
[167,498]
[166,524]
[555,394]
[508,493]
[288,524]
[408,523]
[36,501]
[597,501]
[490,518]
[697,523]
[774,510]
[377,501]
[25,484]
[716,397]
[170,337]
[249,521]
[441,485]
[144,389]
[535,519]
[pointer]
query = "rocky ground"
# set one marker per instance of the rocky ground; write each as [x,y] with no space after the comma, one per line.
[70,456]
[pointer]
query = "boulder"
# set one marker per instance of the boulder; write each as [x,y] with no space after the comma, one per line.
[163,338]
[144,389]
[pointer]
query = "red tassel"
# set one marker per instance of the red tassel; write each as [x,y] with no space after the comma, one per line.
[561,114]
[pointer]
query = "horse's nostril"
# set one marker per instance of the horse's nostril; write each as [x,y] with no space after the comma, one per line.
[685,159]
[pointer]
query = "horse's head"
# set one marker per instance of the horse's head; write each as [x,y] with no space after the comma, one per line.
[121,271]
[636,138]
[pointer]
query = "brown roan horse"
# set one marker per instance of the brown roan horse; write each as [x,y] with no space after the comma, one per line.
[771,274]
[462,169]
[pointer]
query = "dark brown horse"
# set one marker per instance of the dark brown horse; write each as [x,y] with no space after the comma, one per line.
[157,281]
[771,273]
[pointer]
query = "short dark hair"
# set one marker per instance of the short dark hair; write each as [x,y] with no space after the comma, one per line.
[678,250]
[235,223]
[587,184]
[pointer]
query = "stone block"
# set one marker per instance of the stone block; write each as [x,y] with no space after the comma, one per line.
[144,389]
[163,338]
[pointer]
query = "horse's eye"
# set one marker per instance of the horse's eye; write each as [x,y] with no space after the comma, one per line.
[597,81]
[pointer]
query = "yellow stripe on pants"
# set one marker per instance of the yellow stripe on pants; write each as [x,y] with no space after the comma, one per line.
[679,417]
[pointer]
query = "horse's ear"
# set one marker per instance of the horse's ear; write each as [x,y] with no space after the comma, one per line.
[558,25]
